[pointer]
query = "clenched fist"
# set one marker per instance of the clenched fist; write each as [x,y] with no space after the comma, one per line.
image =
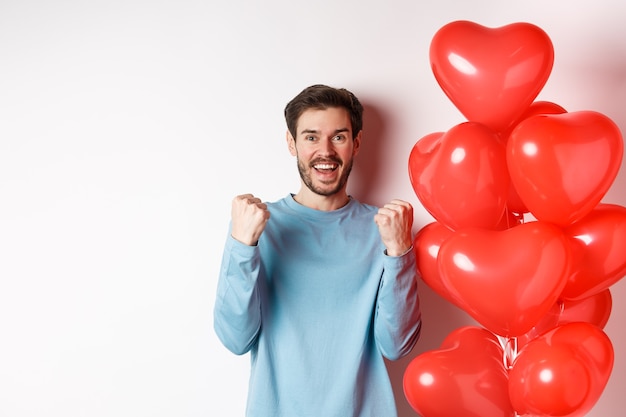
[249,217]
[395,222]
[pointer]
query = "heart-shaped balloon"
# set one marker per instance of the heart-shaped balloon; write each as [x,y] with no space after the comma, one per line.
[514,202]
[465,377]
[595,309]
[561,165]
[460,176]
[491,74]
[426,245]
[563,372]
[506,280]
[600,238]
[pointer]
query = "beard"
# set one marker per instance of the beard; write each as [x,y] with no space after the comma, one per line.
[324,189]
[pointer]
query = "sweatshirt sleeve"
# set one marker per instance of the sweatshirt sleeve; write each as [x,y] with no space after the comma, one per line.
[237,310]
[398,315]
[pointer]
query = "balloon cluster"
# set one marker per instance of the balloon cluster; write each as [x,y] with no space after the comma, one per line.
[521,240]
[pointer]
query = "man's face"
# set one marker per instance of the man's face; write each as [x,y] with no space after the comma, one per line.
[324,149]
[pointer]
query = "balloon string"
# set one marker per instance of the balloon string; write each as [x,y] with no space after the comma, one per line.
[509,353]
[509,350]
[512,351]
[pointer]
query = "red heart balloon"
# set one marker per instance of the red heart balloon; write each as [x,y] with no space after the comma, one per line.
[563,372]
[460,176]
[595,310]
[514,202]
[506,280]
[600,237]
[465,377]
[491,74]
[426,245]
[562,164]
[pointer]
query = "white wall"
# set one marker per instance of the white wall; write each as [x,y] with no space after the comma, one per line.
[126,127]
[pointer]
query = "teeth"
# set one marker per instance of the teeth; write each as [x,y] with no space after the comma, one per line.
[324,166]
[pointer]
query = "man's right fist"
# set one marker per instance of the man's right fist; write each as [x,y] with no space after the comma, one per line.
[249,217]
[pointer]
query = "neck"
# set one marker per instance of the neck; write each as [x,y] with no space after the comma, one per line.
[322,202]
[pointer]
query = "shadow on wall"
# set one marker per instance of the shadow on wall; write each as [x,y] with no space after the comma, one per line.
[366,173]
[439,317]
[613,96]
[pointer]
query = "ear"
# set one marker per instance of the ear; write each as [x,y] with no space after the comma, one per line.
[291,143]
[357,143]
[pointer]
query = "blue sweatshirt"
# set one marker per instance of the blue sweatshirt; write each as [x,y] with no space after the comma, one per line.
[318,304]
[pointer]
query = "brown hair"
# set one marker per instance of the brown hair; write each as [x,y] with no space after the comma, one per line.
[322,97]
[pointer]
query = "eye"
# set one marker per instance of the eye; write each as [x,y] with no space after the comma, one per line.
[339,138]
[309,138]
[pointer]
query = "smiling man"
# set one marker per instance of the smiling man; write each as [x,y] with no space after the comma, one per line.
[318,286]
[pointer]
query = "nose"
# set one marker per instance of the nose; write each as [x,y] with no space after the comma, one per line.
[327,147]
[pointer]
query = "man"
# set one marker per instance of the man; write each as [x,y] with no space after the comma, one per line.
[318,286]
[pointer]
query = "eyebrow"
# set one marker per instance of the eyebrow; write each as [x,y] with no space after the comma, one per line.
[344,129]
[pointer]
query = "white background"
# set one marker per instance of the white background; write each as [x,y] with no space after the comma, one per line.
[126,127]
